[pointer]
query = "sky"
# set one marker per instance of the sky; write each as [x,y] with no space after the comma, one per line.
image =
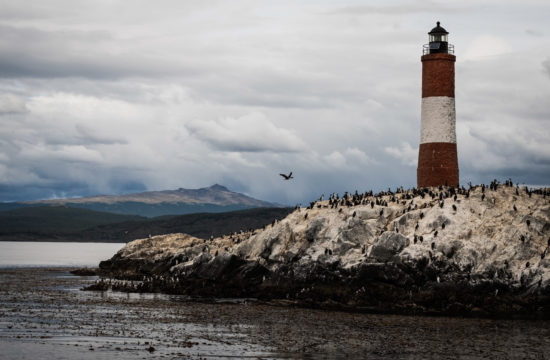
[113,97]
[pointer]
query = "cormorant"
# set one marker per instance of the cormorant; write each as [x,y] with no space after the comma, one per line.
[287,177]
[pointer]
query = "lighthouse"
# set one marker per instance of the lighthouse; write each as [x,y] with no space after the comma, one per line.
[437,155]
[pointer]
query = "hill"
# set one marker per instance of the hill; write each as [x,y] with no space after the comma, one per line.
[202,225]
[215,198]
[55,223]
[477,251]
[56,219]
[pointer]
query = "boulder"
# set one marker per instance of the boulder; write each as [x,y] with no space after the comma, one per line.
[388,245]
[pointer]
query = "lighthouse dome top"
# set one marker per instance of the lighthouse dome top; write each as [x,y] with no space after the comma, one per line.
[438,30]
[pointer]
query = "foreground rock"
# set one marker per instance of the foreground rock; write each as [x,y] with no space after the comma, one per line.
[409,252]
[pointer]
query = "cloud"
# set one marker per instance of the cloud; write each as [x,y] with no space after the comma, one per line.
[546,66]
[336,159]
[10,103]
[98,98]
[534,33]
[65,153]
[351,158]
[398,9]
[518,147]
[94,54]
[250,133]
[90,135]
[405,153]
[486,45]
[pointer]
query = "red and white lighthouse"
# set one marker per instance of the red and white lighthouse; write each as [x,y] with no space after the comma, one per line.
[437,155]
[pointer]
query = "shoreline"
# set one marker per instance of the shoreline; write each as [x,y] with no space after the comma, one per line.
[126,326]
[512,306]
[275,302]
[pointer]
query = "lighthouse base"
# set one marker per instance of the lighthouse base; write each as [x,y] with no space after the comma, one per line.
[437,165]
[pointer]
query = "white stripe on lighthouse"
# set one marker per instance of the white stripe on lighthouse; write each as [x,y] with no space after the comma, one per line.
[438,120]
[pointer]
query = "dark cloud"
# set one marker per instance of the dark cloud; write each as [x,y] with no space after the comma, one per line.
[534,33]
[37,53]
[13,192]
[546,66]
[68,189]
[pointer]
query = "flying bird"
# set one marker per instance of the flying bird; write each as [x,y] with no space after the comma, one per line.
[287,177]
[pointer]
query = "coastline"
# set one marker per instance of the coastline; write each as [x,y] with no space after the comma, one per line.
[95,325]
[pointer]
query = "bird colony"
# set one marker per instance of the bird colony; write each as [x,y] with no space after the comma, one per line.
[475,250]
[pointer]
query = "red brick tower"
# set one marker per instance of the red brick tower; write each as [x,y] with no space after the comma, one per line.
[437,155]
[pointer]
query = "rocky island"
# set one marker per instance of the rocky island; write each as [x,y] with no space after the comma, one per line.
[481,251]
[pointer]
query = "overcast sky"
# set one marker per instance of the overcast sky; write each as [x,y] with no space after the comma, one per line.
[110,97]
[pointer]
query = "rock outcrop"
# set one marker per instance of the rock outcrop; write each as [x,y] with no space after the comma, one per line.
[477,251]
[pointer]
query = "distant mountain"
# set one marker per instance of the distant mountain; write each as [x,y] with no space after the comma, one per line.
[212,199]
[56,219]
[60,223]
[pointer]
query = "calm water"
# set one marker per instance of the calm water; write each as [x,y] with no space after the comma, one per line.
[55,254]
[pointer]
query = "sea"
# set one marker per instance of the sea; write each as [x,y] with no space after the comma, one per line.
[45,314]
[17,254]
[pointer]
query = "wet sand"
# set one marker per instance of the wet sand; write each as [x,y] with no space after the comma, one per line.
[43,314]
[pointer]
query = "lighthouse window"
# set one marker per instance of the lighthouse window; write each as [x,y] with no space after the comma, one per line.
[435,46]
[438,38]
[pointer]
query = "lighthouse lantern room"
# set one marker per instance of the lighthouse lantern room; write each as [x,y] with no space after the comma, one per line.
[438,41]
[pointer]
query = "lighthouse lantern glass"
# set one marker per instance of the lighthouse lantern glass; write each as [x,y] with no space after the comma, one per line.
[438,38]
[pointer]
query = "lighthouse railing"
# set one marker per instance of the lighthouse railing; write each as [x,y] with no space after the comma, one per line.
[426,49]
